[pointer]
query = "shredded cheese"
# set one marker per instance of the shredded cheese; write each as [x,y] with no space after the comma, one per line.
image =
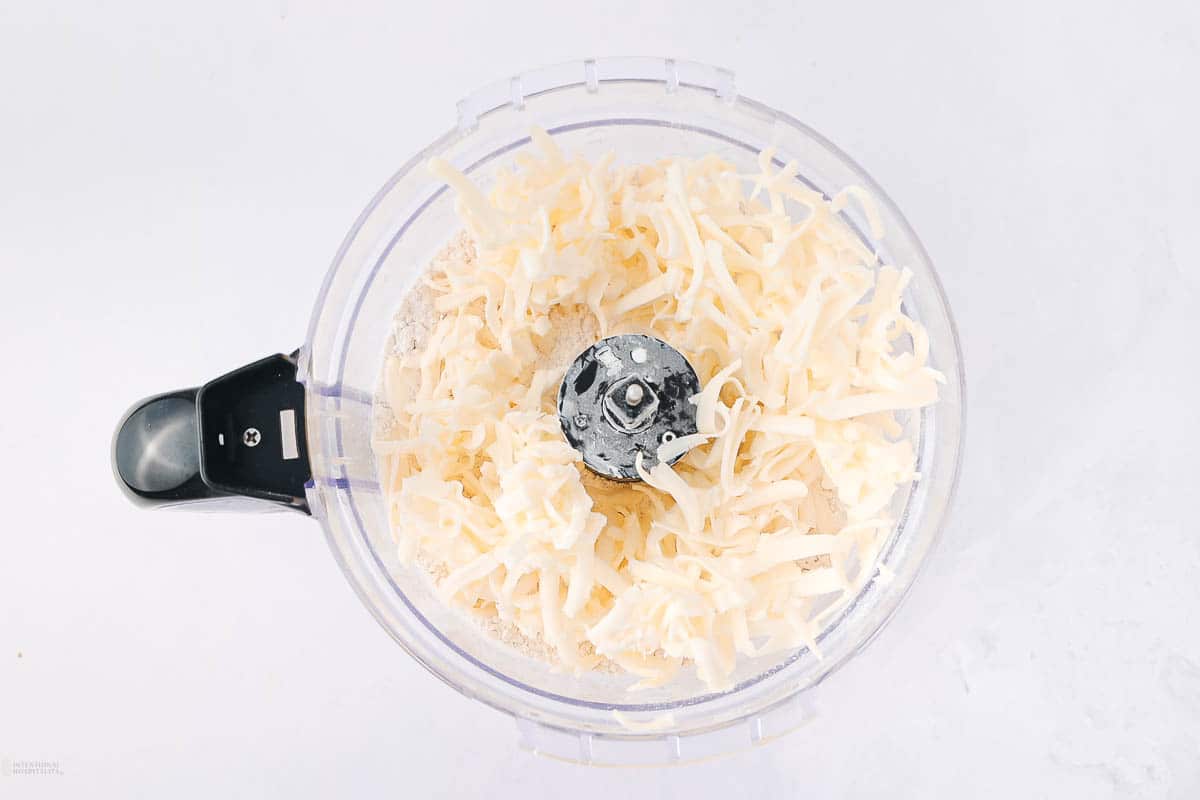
[775,516]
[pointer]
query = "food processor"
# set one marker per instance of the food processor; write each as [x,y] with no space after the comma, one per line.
[294,430]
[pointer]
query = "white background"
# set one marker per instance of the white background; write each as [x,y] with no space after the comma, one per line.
[175,178]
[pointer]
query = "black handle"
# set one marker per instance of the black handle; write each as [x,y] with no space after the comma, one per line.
[239,436]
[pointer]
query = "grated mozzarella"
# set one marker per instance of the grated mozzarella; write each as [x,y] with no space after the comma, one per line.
[773,519]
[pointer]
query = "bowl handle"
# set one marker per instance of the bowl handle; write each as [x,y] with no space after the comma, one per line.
[237,442]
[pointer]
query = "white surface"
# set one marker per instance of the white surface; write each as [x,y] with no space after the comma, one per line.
[163,170]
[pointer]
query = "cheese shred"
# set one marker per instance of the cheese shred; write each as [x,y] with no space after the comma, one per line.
[775,515]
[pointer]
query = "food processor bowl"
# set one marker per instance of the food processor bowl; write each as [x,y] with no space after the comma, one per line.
[640,109]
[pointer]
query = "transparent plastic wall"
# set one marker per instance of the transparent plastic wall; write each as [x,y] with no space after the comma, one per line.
[641,109]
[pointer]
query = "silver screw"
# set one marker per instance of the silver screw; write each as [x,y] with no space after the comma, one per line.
[251,437]
[581,421]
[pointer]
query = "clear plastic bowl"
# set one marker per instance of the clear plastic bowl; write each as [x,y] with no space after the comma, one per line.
[641,109]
